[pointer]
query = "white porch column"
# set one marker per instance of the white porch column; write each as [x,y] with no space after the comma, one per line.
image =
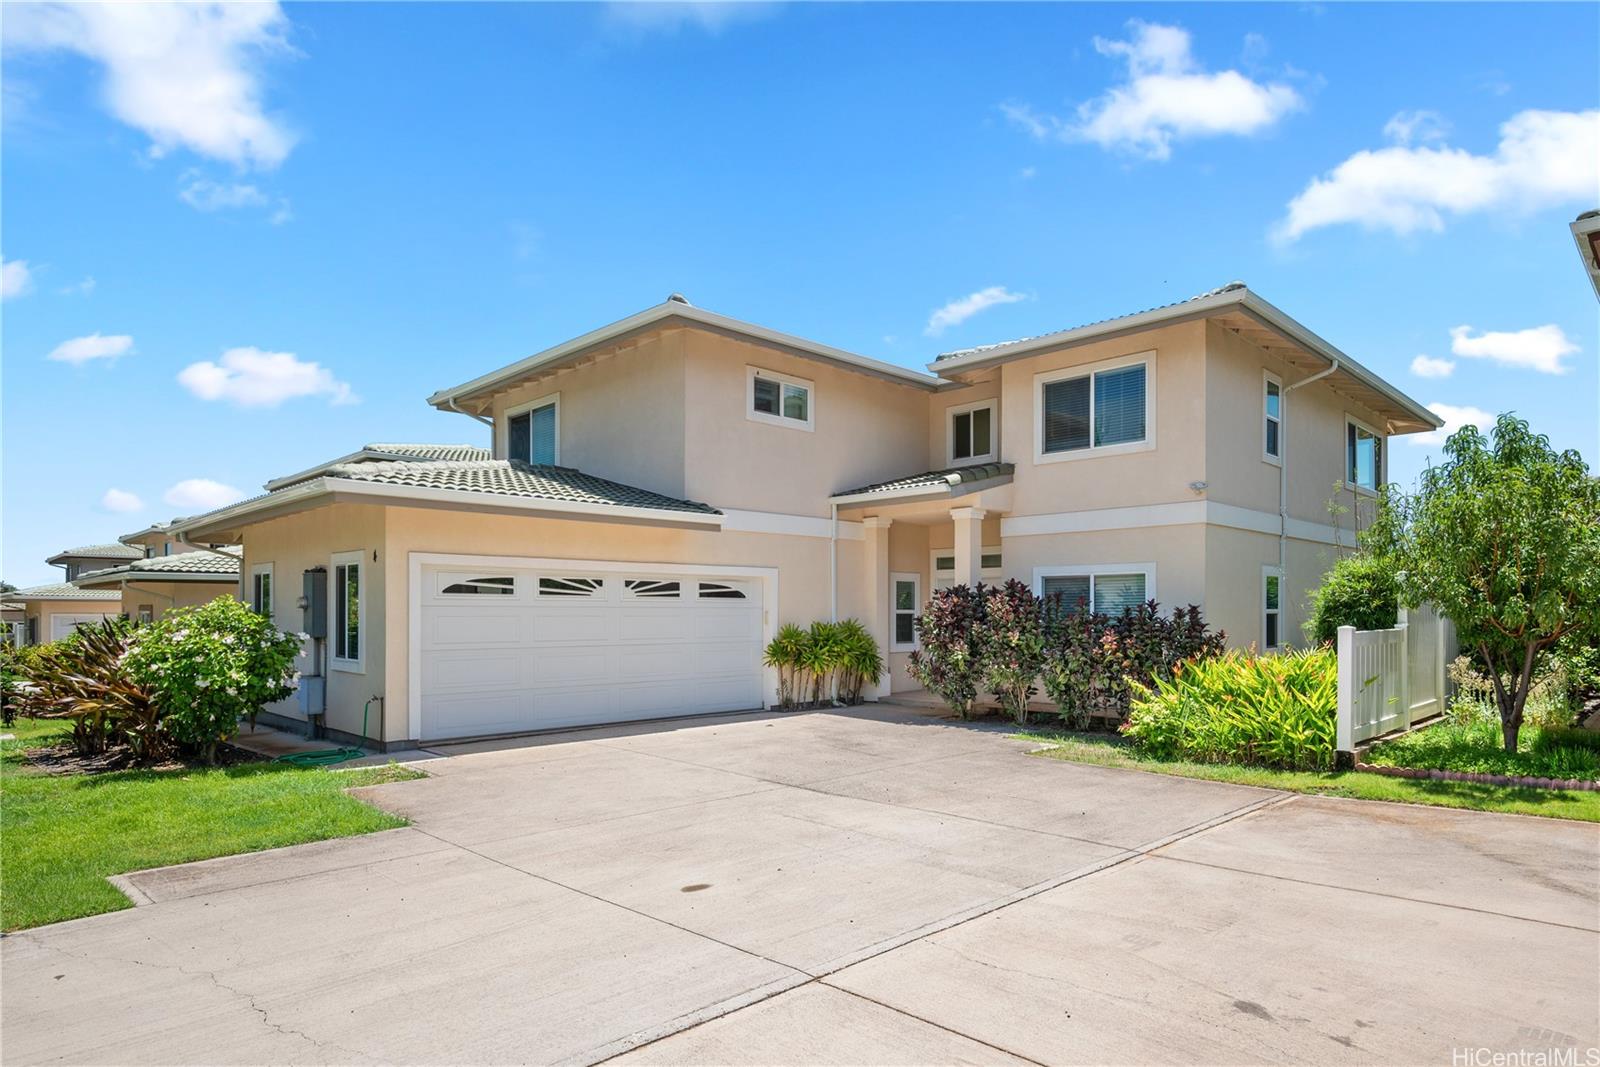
[969,544]
[875,560]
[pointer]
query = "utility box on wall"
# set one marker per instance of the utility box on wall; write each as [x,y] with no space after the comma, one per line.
[314,602]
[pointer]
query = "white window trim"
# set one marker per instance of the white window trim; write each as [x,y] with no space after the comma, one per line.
[751,373]
[256,571]
[935,571]
[1268,457]
[544,401]
[358,665]
[1344,454]
[1269,570]
[1092,570]
[950,432]
[1094,451]
[916,584]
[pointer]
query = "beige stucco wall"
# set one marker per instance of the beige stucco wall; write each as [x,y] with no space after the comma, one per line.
[164,596]
[294,544]
[1314,432]
[1234,562]
[1156,476]
[620,417]
[866,430]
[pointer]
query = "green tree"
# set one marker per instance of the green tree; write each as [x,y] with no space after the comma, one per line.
[1504,537]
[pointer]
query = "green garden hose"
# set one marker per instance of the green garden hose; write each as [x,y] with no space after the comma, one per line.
[323,757]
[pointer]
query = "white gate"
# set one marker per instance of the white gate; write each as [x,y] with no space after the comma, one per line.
[1389,679]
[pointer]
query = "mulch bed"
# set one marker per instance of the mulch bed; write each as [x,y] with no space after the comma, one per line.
[61,759]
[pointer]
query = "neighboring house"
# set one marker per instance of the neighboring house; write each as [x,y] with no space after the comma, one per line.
[149,588]
[76,561]
[158,539]
[13,623]
[51,612]
[1586,232]
[664,492]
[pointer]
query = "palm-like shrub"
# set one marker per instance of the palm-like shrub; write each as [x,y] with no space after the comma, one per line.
[1241,708]
[210,666]
[784,653]
[830,661]
[1011,645]
[860,661]
[949,661]
[83,678]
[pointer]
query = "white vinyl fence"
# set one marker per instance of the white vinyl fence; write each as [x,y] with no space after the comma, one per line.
[1389,679]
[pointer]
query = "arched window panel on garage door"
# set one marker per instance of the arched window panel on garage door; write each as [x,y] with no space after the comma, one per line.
[477,585]
[564,586]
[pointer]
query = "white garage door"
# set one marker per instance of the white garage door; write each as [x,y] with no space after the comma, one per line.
[507,649]
[62,625]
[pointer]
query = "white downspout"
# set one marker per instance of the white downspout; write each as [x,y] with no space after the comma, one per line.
[833,564]
[1283,465]
[451,404]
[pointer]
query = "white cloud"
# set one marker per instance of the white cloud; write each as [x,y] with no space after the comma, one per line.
[121,500]
[81,350]
[250,377]
[16,278]
[1408,127]
[83,288]
[1028,173]
[1432,367]
[1544,158]
[959,311]
[670,16]
[1541,348]
[1166,98]
[201,494]
[206,195]
[185,74]
[1454,418]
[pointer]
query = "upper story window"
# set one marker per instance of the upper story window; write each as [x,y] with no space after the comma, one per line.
[1084,411]
[778,398]
[533,432]
[1363,451]
[971,433]
[1272,412]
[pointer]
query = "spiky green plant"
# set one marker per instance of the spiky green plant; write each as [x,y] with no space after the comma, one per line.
[784,653]
[860,661]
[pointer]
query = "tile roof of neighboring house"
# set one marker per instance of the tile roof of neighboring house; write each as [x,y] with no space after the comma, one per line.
[1229,288]
[11,607]
[198,565]
[111,551]
[63,591]
[949,477]
[382,453]
[516,479]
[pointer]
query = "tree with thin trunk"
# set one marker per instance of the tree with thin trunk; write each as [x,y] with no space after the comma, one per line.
[1504,537]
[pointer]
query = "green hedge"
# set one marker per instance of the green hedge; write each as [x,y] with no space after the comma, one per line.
[1361,591]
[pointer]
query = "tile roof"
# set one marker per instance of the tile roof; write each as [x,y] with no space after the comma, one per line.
[220,565]
[62,591]
[1229,288]
[111,551]
[515,479]
[385,453]
[950,476]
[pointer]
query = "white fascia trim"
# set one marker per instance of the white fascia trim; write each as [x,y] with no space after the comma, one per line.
[672,309]
[774,522]
[157,576]
[1183,513]
[768,576]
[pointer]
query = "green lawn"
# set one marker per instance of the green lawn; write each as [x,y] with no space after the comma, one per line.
[1110,751]
[60,836]
[1477,749]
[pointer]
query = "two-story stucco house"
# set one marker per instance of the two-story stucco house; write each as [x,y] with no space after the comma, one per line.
[662,493]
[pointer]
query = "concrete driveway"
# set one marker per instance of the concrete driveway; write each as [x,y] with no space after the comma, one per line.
[836,888]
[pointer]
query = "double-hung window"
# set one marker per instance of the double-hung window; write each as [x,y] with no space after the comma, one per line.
[1105,590]
[533,432]
[348,601]
[905,592]
[1271,608]
[1085,411]
[972,433]
[1363,451]
[778,399]
[261,589]
[1272,412]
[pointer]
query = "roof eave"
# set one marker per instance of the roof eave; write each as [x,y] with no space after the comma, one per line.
[661,314]
[949,489]
[120,577]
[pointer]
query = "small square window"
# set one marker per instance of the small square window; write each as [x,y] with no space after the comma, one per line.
[972,434]
[779,399]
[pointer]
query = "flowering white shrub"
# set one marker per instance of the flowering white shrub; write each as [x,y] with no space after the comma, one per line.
[209,666]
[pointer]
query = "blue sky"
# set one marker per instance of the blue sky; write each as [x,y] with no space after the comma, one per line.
[245,239]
